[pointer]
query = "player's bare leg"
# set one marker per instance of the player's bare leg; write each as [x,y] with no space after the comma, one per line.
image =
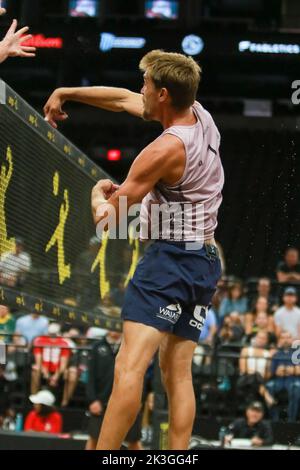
[139,344]
[175,357]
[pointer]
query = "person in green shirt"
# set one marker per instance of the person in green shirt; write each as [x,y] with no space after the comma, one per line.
[7,324]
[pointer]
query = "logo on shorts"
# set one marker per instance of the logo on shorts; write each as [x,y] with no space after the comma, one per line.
[170,313]
[199,313]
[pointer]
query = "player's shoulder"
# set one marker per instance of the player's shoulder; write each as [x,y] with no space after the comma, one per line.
[161,152]
[166,145]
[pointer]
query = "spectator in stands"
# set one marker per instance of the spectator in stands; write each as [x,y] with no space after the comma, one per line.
[220,294]
[43,418]
[263,289]
[4,393]
[209,328]
[288,270]
[235,302]
[261,305]
[31,326]
[16,358]
[287,317]
[99,387]
[117,294]
[255,370]
[15,265]
[87,282]
[9,420]
[232,330]
[51,356]
[94,332]
[11,44]
[252,426]
[108,307]
[285,377]
[77,370]
[222,258]
[7,324]
[261,323]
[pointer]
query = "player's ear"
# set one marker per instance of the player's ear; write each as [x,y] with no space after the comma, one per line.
[163,96]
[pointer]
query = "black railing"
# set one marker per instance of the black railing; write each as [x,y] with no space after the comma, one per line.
[221,387]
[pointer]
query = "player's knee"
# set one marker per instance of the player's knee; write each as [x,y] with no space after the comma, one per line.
[126,376]
[172,377]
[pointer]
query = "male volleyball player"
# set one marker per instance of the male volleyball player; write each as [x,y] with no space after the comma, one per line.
[166,300]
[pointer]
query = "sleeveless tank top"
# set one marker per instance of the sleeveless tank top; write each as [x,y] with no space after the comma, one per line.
[187,210]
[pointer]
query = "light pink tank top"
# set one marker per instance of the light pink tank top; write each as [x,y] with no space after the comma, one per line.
[187,210]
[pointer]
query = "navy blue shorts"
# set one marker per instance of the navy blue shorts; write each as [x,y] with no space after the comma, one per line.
[172,288]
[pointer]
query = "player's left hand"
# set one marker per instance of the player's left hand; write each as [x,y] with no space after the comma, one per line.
[13,42]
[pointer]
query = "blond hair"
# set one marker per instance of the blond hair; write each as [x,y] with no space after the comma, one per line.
[179,74]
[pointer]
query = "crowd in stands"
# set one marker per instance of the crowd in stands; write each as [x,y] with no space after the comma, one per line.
[251,333]
[15,265]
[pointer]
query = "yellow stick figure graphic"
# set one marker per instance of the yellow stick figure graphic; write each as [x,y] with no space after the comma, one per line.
[6,245]
[135,256]
[64,270]
[104,284]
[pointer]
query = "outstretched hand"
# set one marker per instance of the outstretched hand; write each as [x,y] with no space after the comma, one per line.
[13,41]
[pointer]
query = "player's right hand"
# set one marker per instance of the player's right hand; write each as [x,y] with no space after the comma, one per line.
[53,109]
[106,188]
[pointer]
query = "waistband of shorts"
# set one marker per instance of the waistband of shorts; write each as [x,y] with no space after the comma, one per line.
[182,244]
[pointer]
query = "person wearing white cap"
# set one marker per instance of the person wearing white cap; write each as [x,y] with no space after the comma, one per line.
[43,418]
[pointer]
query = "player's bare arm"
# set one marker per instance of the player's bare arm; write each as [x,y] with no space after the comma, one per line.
[162,160]
[108,98]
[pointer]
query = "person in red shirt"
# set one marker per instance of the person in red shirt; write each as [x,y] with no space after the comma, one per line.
[51,354]
[43,418]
